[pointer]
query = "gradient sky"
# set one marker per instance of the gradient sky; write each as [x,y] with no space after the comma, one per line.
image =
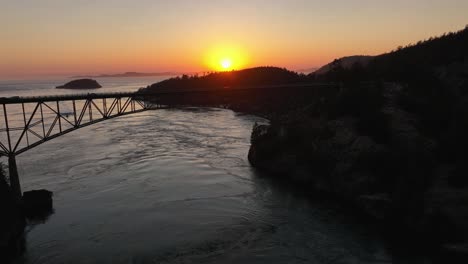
[95,36]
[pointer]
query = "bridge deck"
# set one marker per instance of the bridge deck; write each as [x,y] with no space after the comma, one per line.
[64,97]
[86,96]
[26,122]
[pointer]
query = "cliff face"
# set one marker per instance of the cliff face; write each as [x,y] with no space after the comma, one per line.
[394,175]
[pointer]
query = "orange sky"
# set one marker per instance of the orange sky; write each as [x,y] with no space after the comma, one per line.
[91,37]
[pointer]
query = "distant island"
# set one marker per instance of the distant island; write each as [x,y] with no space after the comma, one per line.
[129,74]
[81,84]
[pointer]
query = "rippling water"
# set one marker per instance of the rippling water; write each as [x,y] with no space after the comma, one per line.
[175,186]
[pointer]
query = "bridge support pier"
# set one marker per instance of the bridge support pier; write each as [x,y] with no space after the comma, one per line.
[14,178]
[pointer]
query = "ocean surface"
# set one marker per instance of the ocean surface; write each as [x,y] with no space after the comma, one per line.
[46,85]
[175,186]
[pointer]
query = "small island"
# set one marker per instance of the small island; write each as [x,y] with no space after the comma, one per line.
[81,84]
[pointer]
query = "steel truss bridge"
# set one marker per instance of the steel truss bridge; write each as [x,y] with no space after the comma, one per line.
[27,122]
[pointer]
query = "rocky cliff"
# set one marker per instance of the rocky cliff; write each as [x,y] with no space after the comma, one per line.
[394,174]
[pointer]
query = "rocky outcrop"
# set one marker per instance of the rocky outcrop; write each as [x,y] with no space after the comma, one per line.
[37,204]
[330,158]
[34,207]
[320,159]
[393,181]
[81,84]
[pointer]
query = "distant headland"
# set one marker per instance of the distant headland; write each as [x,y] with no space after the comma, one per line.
[128,74]
[81,84]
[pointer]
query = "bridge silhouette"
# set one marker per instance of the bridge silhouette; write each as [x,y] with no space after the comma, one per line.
[31,121]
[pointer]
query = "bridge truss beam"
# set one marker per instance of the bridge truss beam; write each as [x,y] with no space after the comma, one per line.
[89,111]
[28,123]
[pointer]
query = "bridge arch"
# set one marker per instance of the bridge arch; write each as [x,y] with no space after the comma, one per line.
[27,122]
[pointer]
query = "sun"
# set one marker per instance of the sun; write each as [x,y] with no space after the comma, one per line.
[225,57]
[226,64]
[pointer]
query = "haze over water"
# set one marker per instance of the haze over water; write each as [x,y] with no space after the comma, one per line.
[46,85]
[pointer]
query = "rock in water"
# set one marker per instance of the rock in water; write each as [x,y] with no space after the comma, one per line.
[81,84]
[37,203]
